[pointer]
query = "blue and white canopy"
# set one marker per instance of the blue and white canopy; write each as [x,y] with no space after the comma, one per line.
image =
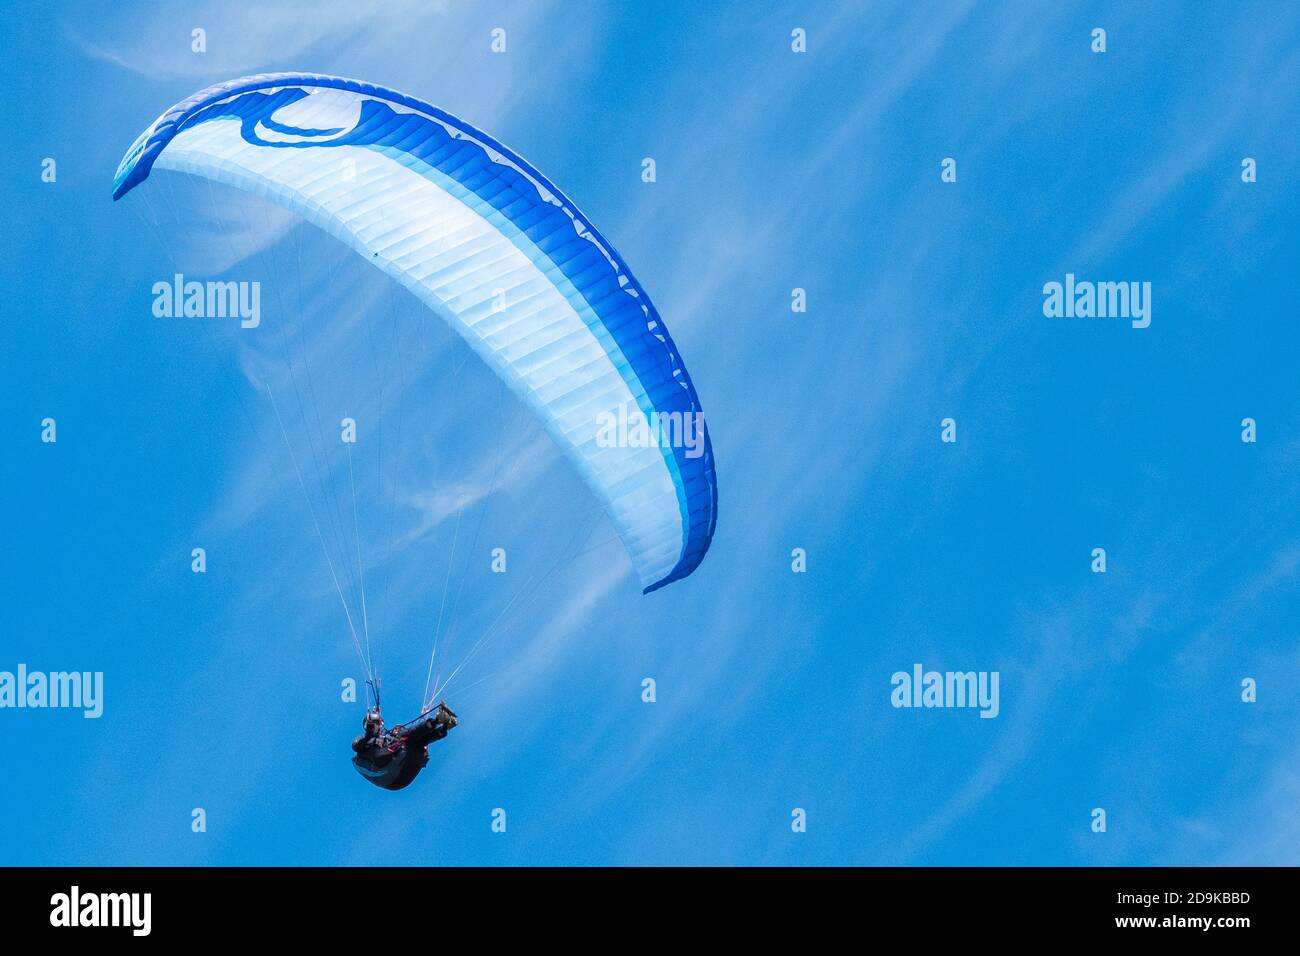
[492,247]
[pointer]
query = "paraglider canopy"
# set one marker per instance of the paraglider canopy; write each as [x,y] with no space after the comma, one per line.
[498,252]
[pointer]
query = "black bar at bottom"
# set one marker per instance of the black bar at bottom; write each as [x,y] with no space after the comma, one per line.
[356,905]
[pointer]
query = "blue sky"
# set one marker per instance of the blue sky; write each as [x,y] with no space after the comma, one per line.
[775,170]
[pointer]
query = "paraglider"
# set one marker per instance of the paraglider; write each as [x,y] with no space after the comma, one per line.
[501,255]
[391,758]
